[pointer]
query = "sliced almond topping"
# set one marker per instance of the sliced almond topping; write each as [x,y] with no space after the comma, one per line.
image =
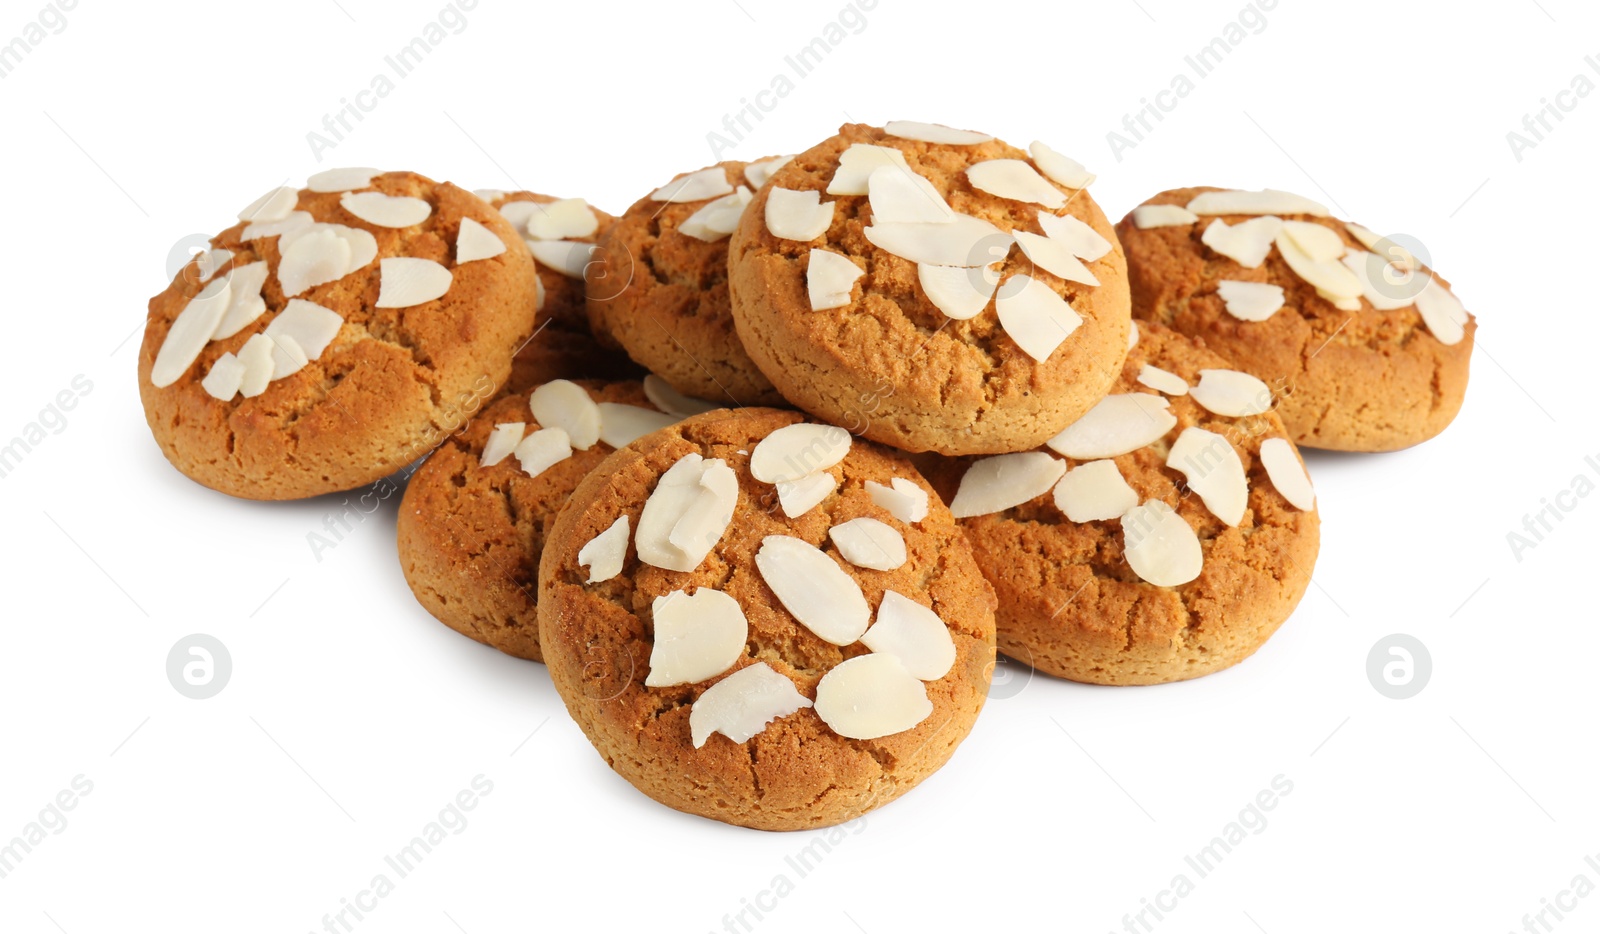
[1015,180]
[1160,546]
[742,704]
[404,281]
[869,543]
[757,173]
[1364,236]
[693,483]
[1034,316]
[1054,256]
[502,441]
[961,292]
[1287,473]
[1442,312]
[331,180]
[223,379]
[190,332]
[964,241]
[1247,242]
[1250,301]
[1394,293]
[1116,425]
[490,195]
[621,424]
[1162,380]
[1005,481]
[604,554]
[898,196]
[260,230]
[542,449]
[288,357]
[1266,201]
[275,205]
[798,450]
[363,245]
[813,588]
[830,279]
[696,186]
[1211,468]
[1146,216]
[934,133]
[245,304]
[568,257]
[311,259]
[311,326]
[256,358]
[1133,334]
[563,219]
[797,215]
[475,241]
[1329,276]
[798,497]
[209,261]
[871,696]
[1343,304]
[1084,241]
[383,210]
[718,218]
[564,404]
[538,294]
[1095,491]
[519,213]
[858,162]
[669,400]
[1232,393]
[1320,243]
[702,526]
[914,634]
[1058,168]
[903,499]
[697,636]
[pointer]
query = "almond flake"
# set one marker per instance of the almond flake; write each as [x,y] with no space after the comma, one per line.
[669,400]
[857,163]
[898,196]
[1320,243]
[914,634]
[695,186]
[830,279]
[1396,280]
[604,554]
[871,696]
[961,292]
[1232,393]
[383,210]
[191,330]
[311,327]
[708,515]
[223,379]
[1005,481]
[797,451]
[813,588]
[520,213]
[1054,256]
[1116,425]
[718,218]
[1250,301]
[475,241]
[331,180]
[563,219]
[564,404]
[311,259]
[1287,473]
[1084,241]
[490,194]
[1094,492]
[869,543]
[541,450]
[797,215]
[1343,304]
[1364,236]
[568,257]
[1442,312]
[363,245]
[901,498]
[1034,316]
[1146,216]
[256,358]
[621,424]
[1058,168]
[1133,334]
[1162,380]
[404,281]
[742,704]
[1160,546]
[209,261]
[757,173]
[934,133]
[275,205]
[693,484]
[1015,180]
[697,636]
[260,230]
[1330,276]
[1266,201]
[964,241]
[1211,468]
[1247,242]
[798,497]
[246,303]
[288,357]
[502,441]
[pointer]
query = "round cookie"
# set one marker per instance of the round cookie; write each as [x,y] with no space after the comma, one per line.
[387,342]
[1378,370]
[661,294]
[986,361]
[1076,599]
[470,535]
[797,769]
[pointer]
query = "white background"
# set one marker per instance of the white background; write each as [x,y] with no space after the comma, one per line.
[352,718]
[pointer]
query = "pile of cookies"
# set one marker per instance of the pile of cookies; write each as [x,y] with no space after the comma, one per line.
[766,468]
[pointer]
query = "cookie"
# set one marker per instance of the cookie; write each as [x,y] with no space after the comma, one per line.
[864,296]
[778,653]
[658,285]
[471,528]
[1366,349]
[335,334]
[1164,536]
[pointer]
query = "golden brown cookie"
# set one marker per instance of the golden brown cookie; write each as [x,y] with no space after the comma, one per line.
[1364,355]
[470,535]
[743,688]
[658,287]
[1177,557]
[859,288]
[335,335]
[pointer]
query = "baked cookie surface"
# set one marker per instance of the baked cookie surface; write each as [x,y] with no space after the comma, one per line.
[743,688]
[860,288]
[334,335]
[1363,354]
[1072,535]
